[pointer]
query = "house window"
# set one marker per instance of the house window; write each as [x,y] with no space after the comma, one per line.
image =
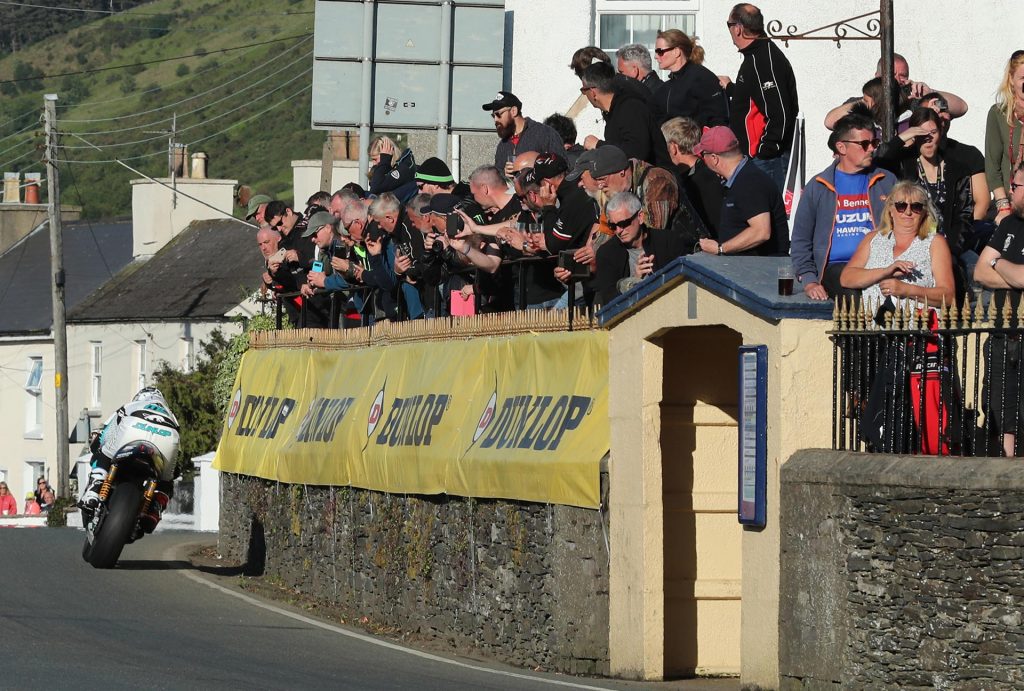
[188,355]
[96,370]
[620,22]
[34,399]
[141,365]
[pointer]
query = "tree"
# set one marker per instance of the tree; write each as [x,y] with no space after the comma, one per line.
[191,396]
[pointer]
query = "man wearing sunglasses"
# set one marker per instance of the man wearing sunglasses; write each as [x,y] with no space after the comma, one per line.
[763,101]
[838,208]
[517,132]
[1001,267]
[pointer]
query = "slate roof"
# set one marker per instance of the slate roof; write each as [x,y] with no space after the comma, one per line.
[93,252]
[203,272]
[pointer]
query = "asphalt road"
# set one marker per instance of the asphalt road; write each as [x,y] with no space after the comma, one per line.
[155,622]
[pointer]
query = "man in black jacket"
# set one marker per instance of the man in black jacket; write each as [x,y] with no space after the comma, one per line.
[517,132]
[763,102]
[629,122]
[634,61]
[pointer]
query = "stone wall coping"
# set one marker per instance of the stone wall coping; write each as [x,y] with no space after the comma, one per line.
[750,282]
[827,467]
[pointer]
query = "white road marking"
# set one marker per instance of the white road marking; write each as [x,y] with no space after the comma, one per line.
[171,554]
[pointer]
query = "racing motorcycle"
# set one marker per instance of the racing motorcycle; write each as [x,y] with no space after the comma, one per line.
[129,491]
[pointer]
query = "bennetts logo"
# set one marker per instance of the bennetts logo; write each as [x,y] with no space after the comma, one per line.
[531,422]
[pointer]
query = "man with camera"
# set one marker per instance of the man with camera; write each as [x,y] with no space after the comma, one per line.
[442,265]
[399,252]
[365,275]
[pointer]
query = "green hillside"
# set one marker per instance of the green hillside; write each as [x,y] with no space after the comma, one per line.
[241,93]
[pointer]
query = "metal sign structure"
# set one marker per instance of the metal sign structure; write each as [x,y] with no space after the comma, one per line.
[406,65]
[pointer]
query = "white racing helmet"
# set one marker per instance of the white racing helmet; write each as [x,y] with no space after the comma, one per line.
[148,393]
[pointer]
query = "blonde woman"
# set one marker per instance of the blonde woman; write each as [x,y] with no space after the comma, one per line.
[8,504]
[691,90]
[1004,134]
[905,260]
[391,170]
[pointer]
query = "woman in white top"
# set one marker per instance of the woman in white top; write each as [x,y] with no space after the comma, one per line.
[905,260]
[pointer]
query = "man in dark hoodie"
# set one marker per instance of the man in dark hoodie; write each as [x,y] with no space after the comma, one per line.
[629,122]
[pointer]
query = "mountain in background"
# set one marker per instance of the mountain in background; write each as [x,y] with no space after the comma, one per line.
[233,76]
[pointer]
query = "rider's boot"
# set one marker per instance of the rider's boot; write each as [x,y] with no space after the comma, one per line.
[91,499]
[151,518]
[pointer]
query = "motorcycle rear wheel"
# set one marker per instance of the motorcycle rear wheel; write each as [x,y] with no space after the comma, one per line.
[122,514]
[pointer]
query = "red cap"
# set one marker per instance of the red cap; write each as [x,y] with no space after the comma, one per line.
[716,140]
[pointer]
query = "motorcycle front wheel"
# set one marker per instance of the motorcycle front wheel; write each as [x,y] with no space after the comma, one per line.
[118,524]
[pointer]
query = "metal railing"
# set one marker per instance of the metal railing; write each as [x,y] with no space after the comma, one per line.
[937,381]
[340,299]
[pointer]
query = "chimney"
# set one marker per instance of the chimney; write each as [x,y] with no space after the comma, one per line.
[179,161]
[32,181]
[12,188]
[159,214]
[199,165]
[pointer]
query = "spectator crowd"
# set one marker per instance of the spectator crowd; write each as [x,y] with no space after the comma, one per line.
[694,162]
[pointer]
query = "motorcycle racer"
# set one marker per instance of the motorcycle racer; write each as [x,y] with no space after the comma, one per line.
[147,417]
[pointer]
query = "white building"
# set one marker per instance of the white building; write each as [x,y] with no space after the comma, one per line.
[138,294]
[968,61]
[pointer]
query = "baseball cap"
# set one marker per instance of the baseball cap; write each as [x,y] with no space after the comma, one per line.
[254,204]
[584,163]
[443,204]
[318,221]
[716,140]
[504,99]
[608,159]
[548,166]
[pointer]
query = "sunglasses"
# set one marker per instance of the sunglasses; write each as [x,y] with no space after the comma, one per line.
[585,89]
[624,223]
[1014,186]
[915,207]
[498,113]
[865,143]
[661,51]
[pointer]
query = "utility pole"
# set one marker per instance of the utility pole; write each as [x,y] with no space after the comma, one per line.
[60,332]
[889,85]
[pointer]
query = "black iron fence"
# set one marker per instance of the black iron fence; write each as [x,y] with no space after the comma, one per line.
[937,381]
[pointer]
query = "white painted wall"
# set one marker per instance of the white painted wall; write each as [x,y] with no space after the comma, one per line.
[164,342]
[21,449]
[158,214]
[306,178]
[951,45]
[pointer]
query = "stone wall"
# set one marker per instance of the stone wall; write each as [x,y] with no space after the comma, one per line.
[901,572]
[518,582]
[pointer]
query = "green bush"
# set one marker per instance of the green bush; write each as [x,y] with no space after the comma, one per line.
[182,70]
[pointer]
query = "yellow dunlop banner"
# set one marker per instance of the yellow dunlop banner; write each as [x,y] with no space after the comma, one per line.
[520,417]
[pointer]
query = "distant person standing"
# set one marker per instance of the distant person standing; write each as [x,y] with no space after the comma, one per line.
[762,102]
[8,504]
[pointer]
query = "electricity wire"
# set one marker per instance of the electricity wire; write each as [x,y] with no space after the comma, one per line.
[190,98]
[148,62]
[157,123]
[190,127]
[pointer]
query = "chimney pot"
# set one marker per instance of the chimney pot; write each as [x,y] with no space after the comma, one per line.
[32,181]
[12,191]
[199,165]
